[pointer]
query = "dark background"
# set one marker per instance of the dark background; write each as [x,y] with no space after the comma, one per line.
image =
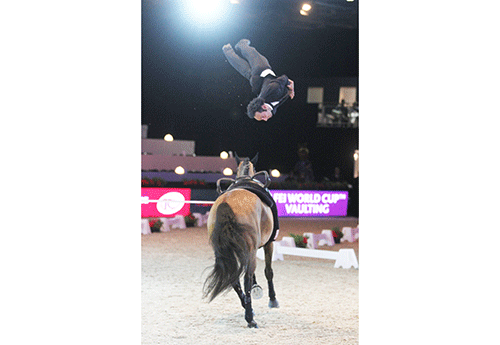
[191,91]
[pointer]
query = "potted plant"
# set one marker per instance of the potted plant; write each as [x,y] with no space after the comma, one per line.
[337,234]
[300,241]
[155,224]
[190,220]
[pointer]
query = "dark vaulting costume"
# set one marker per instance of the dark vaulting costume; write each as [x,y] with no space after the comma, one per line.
[255,67]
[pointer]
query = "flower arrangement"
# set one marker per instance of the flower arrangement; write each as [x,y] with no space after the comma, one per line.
[153,182]
[193,182]
[155,224]
[337,234]
[190,220]
[300,241]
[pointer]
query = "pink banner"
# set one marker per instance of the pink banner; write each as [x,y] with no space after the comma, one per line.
[170,204]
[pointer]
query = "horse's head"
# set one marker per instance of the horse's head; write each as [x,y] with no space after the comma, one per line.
[246,166]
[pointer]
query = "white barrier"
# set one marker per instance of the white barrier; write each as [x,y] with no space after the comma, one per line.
[145,228]
[276,254]
[176,222]
[345,258]
[314,240]
[350,234]
[165,227]
[201,219]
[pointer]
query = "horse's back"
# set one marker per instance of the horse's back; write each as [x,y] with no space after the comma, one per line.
[248,210]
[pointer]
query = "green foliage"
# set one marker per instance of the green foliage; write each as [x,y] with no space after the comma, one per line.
[300,241]
[337,234]
[155,224]
[190,220]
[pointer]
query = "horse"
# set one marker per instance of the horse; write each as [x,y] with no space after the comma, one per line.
[238,224]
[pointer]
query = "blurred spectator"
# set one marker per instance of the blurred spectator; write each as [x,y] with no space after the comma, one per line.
[337,176]
[303,171]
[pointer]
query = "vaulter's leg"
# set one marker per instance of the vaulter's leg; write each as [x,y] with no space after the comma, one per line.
[268,252]
[257,61]
[238,63]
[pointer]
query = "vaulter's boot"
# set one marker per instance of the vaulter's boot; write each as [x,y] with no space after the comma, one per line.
[242,43]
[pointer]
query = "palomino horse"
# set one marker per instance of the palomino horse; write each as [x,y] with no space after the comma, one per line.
[239,223]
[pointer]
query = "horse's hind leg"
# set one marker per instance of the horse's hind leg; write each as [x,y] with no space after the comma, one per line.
[239,292]
[256,289]
[268,250]
[248,296]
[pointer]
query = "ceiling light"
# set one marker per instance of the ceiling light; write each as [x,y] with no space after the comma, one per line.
[275,173]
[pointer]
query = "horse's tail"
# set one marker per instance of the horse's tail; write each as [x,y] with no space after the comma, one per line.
[231,252]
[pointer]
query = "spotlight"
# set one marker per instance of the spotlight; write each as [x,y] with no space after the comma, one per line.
[224,155]
[306,7]
[304,13]
[356,155]
[206,12]
[179,170]
[168,137]
[275,173]
[227,172]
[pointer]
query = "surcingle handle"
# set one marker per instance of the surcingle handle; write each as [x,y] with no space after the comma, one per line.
[219,189]
[267,179]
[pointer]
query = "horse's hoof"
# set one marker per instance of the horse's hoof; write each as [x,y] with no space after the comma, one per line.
[252,324]
[274,304]
[257,292]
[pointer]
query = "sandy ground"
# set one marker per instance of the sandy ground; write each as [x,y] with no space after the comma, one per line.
[318,303]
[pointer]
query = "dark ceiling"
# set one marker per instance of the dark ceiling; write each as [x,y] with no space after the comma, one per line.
[190,91]
[323,14]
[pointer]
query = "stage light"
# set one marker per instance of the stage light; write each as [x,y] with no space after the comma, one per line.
[356,163]
[227,172]
[168,137]
[304,13]
[179,170]
[306,7]
[224,155]
[275,173]
[206,11]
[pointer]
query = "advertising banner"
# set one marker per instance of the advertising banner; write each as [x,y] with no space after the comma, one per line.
[290,203]
[310,203]
[171,202]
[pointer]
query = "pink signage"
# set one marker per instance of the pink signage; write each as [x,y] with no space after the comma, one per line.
[164,202]
[310,203]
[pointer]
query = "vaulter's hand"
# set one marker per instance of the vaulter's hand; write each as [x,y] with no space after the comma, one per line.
[290,87]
